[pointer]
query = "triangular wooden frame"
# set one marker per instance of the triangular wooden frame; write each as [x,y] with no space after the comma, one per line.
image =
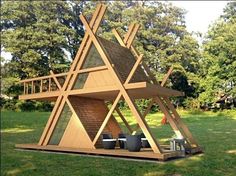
[180,129]
[65,91]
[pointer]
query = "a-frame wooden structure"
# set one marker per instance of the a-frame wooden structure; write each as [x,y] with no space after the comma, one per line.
[103,71]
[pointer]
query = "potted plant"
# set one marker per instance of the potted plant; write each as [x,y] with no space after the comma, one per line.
[122,140]
[108,142]
[145,143]
[133,142]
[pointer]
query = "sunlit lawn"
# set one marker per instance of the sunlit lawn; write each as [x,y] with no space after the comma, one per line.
[216,132]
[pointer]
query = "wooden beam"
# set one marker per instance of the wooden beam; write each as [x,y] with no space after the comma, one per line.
[169,117]
[124,120]
[134,69]
[122,43]
[49,84]
[41,85]
[132,35]
[42,77]
[48,125]
[89,142]
[146,112]
[32,87]
[107,118]
[167,75]
[55,80]
[24,89]
[185,129]
[127,35]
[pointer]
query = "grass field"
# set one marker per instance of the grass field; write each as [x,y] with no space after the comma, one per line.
[216,132]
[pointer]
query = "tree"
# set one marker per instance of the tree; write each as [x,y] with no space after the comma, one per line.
[37,34]
[219,57]
[41,36]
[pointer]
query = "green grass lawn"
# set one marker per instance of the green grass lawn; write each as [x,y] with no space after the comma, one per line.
[215,132]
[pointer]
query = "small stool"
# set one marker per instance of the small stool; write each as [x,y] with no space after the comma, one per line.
[174,143]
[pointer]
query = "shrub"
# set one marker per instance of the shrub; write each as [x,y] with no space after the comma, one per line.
[10,105]
[27,105]
[44,106]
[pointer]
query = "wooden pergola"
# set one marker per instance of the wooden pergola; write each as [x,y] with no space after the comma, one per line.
[103,71]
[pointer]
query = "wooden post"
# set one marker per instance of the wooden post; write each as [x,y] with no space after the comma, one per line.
[24,89]
[41,85]
[49,84]
[32,87]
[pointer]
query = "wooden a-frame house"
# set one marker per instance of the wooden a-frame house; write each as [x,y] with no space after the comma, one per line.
[103,71]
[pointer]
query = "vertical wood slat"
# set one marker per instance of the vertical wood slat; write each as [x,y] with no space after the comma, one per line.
[35,87]
[27,88]
[41,85]
[24,88]
[32,87]
[49,84]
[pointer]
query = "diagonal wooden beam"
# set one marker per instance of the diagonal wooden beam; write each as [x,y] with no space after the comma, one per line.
[127,35]
[88,45]
[146,130]
[146,112]
[107,118]
[55,79]
[185,129]
[171,120]
[147,70]
[132,35]
[80,123]
[124,120]
[167,75]
[161,103]
[164,80]
[134,69]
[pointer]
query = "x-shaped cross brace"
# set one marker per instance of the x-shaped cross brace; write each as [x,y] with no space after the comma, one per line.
[123,93]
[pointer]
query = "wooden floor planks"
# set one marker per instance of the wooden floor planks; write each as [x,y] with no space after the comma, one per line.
[143,154]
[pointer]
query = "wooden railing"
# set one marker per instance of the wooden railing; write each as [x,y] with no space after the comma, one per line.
[42,84]
[47,83]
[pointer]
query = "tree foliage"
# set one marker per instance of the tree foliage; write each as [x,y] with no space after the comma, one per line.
[38,34]
[43,36]
[219,57]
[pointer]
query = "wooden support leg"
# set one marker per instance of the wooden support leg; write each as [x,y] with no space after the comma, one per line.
[181,124]
[170,118]
[107,118]
[143,124]
[146,112]
[124,120]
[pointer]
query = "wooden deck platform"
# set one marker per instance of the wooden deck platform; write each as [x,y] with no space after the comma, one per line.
[136,90]
[146,154]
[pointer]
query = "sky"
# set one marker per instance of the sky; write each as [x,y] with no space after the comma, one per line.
[200,14]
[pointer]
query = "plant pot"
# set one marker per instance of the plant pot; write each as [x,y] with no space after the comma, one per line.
[122,140]
[145,143]
[134,143]
[109,143]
